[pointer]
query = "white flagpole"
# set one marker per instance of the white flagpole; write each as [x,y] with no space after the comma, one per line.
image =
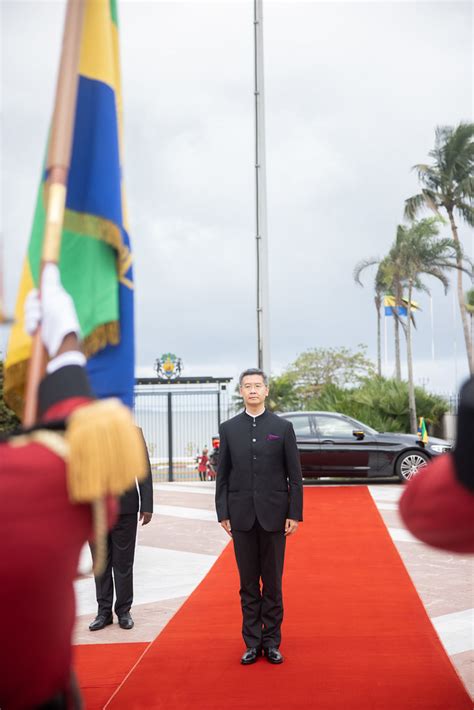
[455,343]
[432,329]
[385,342]
[263,316]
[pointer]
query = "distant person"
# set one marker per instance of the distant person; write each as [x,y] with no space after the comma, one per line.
[203,461]
[121,543]
[259,501]
[437,505]
[214,460]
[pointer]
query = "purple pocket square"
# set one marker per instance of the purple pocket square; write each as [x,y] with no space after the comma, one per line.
[273,437]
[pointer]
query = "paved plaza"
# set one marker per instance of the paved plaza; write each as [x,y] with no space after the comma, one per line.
[177,549]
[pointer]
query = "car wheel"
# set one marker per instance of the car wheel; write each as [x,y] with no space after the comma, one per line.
[409,463]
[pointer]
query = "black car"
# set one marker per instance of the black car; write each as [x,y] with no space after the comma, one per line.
[334,445]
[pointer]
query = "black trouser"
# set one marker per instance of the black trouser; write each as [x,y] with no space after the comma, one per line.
[120,555]
[260,556]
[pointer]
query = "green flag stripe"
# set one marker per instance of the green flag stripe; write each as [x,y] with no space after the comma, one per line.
[98,271]
[114,11]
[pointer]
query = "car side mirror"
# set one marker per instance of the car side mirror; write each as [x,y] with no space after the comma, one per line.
[359,435]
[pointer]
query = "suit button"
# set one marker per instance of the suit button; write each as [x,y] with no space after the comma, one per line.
[254,440]
[254,424]
[254,458]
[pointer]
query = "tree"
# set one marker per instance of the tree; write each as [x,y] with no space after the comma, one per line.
[8,419]
[283,396]
[448,184]
[315,368]
[418,251]
[382,403]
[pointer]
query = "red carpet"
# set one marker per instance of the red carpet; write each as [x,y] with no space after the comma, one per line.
[101,668]
[355,633]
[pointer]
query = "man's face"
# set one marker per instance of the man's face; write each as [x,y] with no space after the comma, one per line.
[253,390]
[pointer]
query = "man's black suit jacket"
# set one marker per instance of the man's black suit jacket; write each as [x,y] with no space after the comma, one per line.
[130,502]
[259,472]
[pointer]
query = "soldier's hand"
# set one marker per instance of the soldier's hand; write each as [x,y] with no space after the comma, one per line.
[145,518]
[55,311]
[226,525]
[291,526]
[32,311]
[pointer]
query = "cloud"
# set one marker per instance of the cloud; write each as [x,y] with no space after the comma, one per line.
[354,91]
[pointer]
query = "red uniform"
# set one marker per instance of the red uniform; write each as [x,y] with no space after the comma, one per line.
[438,509]
[41,536]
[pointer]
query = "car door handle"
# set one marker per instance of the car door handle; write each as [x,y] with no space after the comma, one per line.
[327,441]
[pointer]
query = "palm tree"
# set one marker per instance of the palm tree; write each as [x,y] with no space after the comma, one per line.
[418,251]
[386,281]
[470,309]
[448,184]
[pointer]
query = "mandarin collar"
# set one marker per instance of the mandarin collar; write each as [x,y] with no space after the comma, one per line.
[256,416]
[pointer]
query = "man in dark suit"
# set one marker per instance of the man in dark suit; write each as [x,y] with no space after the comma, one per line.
[259,501]
[120,556]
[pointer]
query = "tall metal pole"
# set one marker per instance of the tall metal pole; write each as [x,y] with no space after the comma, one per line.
[263,316]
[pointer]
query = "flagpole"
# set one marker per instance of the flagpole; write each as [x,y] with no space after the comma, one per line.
[263,327]
[432,329]
[57,166]
[385,342]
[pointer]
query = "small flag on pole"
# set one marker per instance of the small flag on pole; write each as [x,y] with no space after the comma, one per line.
[389,303]
[422,431]
[95,259]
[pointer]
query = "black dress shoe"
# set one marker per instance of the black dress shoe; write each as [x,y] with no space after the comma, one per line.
[250,656]
[100,622]
[126,621]
[273,655]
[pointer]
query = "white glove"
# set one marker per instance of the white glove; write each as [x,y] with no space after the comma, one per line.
[32,312]
[55,311]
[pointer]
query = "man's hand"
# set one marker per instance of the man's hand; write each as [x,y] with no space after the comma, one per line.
[226,525]
[145,518]
[291,526]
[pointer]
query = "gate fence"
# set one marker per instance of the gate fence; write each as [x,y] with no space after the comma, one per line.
[179,418]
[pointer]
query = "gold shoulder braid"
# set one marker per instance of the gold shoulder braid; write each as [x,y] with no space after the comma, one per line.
[106,451]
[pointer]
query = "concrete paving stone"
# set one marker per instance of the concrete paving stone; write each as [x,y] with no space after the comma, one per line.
[158,574]
[150,619]
[443,580]
[457,630]
[175,511]
[198,487]
[202,536]
[187,499]
[390,492]
[464,664]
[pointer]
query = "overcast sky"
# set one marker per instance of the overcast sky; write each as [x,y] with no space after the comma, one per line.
[354,91]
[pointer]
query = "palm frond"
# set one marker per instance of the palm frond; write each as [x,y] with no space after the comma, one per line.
[360,266]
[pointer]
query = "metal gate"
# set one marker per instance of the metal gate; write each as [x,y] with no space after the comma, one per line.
[179,418]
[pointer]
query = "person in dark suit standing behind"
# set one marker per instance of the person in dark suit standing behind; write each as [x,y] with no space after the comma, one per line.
[259,501]
[120,557]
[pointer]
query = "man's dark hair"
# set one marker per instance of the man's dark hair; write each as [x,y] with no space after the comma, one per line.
[253,371]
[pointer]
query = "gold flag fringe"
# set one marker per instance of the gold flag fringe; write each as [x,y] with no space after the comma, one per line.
[14,386]
[15,374]
[89,225]
[103,335]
